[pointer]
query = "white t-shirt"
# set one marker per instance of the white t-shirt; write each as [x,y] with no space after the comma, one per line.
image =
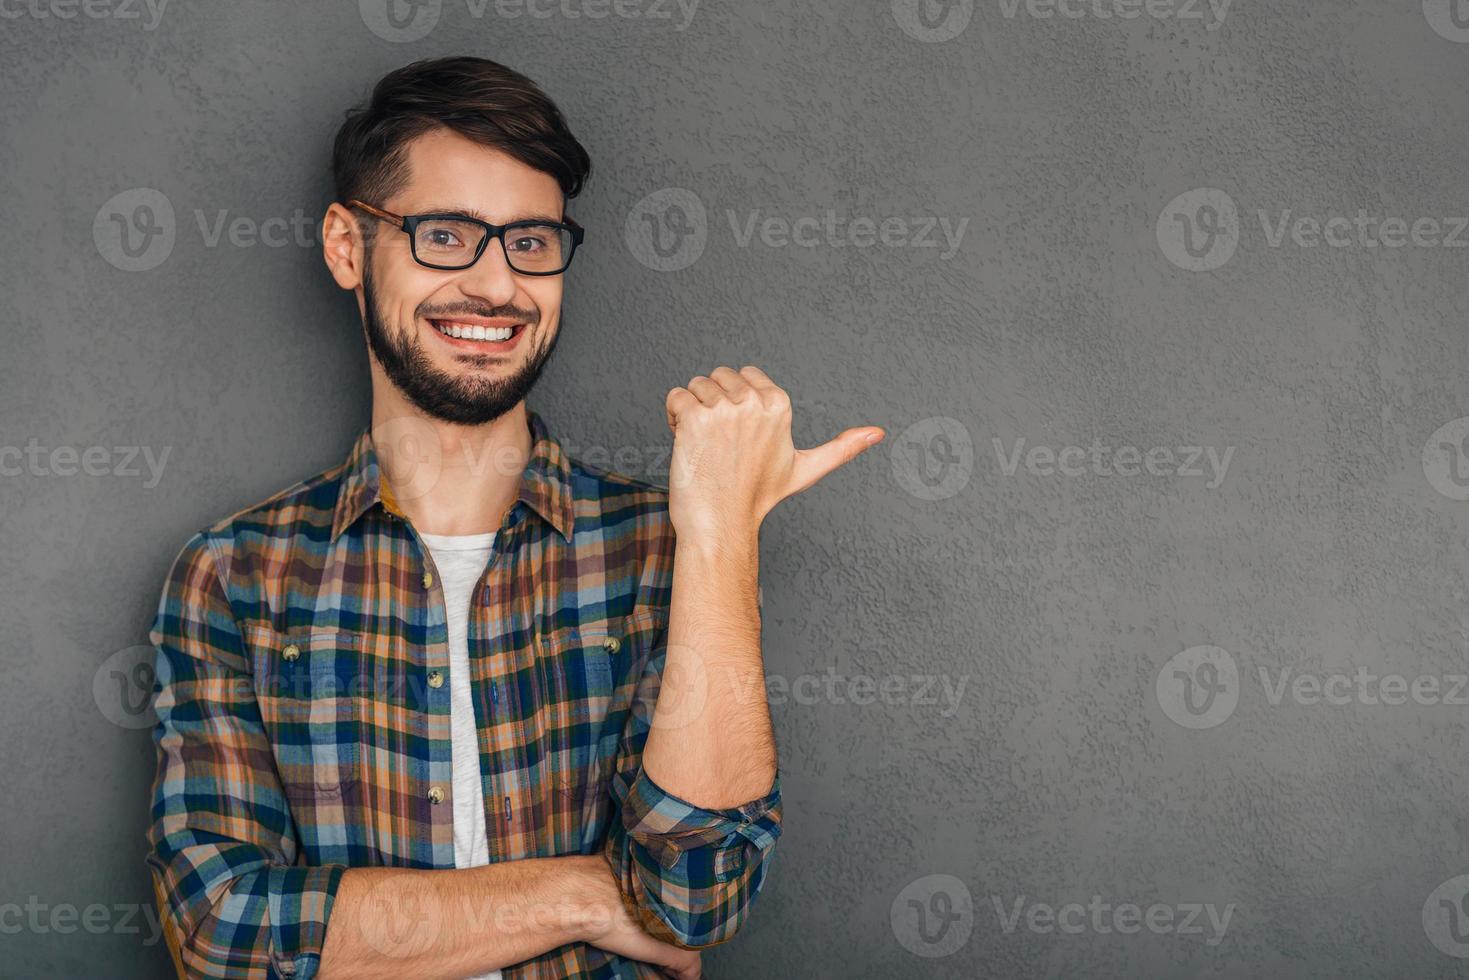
[460,560]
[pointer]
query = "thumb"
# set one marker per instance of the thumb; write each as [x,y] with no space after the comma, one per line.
[813,464]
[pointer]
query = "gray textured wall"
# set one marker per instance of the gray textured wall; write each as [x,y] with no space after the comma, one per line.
[1043,712]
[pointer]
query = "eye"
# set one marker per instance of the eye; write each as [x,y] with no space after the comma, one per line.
[440,235]
[528,241]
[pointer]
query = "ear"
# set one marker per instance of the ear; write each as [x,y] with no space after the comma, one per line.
[342,246]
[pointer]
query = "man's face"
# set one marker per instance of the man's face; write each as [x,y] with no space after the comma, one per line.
[410,310]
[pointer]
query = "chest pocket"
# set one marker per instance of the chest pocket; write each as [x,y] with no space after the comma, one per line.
[310,686]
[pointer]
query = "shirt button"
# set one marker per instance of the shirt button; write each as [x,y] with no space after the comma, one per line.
[435,795]
[291,651]
[436,678]
[428,580]
[612,644]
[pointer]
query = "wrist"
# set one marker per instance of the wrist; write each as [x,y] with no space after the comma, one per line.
[717,539]
[598,902]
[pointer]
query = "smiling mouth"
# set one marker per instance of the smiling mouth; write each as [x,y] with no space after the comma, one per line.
[477,332]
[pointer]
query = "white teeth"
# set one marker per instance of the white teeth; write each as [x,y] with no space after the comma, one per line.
[475,332]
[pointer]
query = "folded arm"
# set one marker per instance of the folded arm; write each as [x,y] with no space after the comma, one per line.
[224,856]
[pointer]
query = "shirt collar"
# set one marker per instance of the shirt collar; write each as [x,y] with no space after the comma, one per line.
[545,483]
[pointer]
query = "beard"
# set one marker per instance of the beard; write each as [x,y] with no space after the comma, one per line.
[472,400]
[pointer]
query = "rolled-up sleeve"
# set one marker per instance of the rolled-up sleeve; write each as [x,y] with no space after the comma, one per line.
[689,874]
[222,850]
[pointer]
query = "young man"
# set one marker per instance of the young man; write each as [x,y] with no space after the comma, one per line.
[462,704]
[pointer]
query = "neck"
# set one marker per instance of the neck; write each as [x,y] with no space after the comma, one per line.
[446,478]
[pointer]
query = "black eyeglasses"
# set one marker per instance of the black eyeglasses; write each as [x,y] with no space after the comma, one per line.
[452,241]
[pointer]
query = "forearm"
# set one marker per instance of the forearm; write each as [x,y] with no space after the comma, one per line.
[718,750]
[394,922]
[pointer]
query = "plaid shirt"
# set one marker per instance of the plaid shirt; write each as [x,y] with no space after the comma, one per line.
[303,717]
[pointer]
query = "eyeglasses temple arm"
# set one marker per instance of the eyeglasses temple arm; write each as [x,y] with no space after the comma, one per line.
[379,212]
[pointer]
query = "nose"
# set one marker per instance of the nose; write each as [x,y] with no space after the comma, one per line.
[491,278]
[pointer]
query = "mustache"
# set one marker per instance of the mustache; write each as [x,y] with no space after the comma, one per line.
[478,309]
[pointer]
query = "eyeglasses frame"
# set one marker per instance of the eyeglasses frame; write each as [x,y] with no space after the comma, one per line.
[408,224]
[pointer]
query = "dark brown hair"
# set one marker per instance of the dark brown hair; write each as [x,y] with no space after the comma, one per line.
[479,99]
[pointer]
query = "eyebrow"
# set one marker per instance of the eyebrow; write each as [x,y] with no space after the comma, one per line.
[474,213]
